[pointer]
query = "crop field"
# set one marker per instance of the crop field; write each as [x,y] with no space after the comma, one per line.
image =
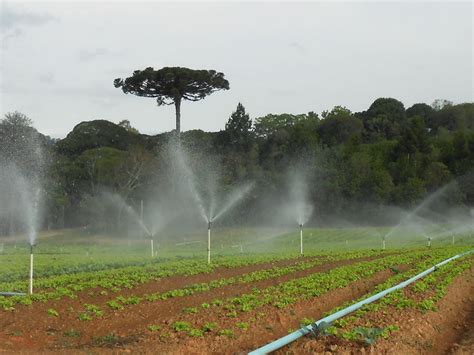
[114,295]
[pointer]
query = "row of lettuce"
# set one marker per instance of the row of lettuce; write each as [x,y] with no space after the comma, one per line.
[229,314]
[114,279]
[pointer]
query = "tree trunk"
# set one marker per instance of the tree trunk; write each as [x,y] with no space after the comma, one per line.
[177,105]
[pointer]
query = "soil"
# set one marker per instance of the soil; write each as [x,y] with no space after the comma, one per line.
[31,328]
[450,329]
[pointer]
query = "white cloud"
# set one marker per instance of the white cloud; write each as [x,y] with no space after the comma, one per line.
[14,20]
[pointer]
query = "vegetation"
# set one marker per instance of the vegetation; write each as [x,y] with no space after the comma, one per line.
[387,155]
[171,85]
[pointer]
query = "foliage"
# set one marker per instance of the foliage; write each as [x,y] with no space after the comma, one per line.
[358,161]
[53,312]
[171,85]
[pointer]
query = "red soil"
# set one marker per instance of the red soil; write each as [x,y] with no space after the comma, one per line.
[30,328]
[448,330]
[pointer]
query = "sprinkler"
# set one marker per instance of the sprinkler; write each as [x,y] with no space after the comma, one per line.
[429,242]
[30,286]
[301,238]
[209,223]
[452,239]
[383,243]
[151,244]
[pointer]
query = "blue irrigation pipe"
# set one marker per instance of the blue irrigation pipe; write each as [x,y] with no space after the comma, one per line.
[7,294]
[279,343]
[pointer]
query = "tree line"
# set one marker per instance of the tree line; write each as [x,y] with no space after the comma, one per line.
[388,155]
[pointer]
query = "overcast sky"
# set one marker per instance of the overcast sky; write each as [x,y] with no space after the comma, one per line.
[59,59]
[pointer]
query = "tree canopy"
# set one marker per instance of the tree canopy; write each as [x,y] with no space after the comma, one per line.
[171,85]
[359,161]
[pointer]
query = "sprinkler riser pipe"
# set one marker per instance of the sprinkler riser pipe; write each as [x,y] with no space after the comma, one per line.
[30,285]
[383,244]
[152,249]
[301,241]
[209,244]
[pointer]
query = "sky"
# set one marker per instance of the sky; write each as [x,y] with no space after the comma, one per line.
[59,59]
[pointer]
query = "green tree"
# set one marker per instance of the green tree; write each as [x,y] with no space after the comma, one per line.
[389,107]
[96,134]
[339,126]
[274,124]
[17,119]
[384,119]
[171,85]
[239,125]
[410,192]
[455,117]
[426,112]
[21,144]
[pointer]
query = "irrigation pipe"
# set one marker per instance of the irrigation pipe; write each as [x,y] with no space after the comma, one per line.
[277,344]
[10,294]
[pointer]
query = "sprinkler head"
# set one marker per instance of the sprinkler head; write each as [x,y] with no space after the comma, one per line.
[301,225]
[209,223]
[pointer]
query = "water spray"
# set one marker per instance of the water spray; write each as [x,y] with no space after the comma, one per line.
[301,238]
[30,285]
[209,223]
[239,246]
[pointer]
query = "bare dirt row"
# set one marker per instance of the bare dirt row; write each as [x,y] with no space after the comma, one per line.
[30,328]
[447,330]
[267,323]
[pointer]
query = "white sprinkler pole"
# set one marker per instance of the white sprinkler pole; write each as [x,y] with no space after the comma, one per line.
[383,243]
[209,242]
[301,239]
[429,242]
[152,251]
[453,239]
[30,286]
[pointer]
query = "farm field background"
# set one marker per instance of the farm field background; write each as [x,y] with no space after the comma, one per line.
[113,295]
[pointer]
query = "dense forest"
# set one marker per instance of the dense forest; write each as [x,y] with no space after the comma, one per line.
[356,162]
